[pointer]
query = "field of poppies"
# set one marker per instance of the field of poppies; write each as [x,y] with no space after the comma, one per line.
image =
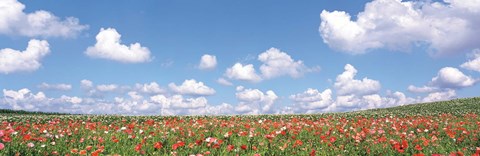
[441,128]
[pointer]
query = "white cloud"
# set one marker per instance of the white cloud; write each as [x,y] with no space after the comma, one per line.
[224,82]
[208,62]
[424,89]
[192,87]
[445,27]
[474,63]
[86,84]
[23,99]
[447,78]
[72,100]
[135,96]
[439,96]
[13,21]
[313,99]
[254,101]
[178,102]
[242,72]
[60,86]
[346,84]
[450,77]
[107,88]
[109,46]
[151,88]
[277,63]
[29,60]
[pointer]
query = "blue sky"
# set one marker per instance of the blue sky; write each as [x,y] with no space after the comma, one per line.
[389,52]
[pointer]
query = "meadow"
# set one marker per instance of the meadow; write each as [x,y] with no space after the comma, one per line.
[438,128]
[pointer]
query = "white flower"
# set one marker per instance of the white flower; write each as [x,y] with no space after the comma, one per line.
[208,139]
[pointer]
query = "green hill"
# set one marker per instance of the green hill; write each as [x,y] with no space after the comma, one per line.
[454,107]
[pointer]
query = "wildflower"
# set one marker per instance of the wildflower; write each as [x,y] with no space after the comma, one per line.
[2,146]
[82,152]
[30,145]
[157,145]
[230,147]
[244,147]
[138,147]
[74,151]
[418,147]
[333,139]
[312,153]
[177,145]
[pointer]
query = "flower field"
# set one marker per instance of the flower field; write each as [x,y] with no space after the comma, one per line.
[441,128]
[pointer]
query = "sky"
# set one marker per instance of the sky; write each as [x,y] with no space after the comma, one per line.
[235,57]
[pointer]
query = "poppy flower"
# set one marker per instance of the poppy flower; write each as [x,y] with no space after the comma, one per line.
[230,147]
[333,139]
[157,145]
[138,147]
[244,147]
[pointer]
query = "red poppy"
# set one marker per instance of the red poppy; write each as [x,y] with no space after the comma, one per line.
[177,145]
[230,147]
[244,147]
[138,147]
[333,139]
[157,145]
[418,147]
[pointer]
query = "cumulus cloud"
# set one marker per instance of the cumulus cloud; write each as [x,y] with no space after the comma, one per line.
[208,62]
[254,101]
[447,78]
[277,63]
[450,77]
[346,84]
[29,60]
[243,73]
[107,87]
[177,101]
[72,100]
[149,88]
[439,96]
[312,99]
[224,82]
[192,87]
[446,27]
[474,62]
[424,89]
[109,46]
[60,86]
[23,99]
[85,84]
[133,103]
[13,21]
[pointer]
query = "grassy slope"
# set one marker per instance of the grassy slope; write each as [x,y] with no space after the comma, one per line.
[455,107]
